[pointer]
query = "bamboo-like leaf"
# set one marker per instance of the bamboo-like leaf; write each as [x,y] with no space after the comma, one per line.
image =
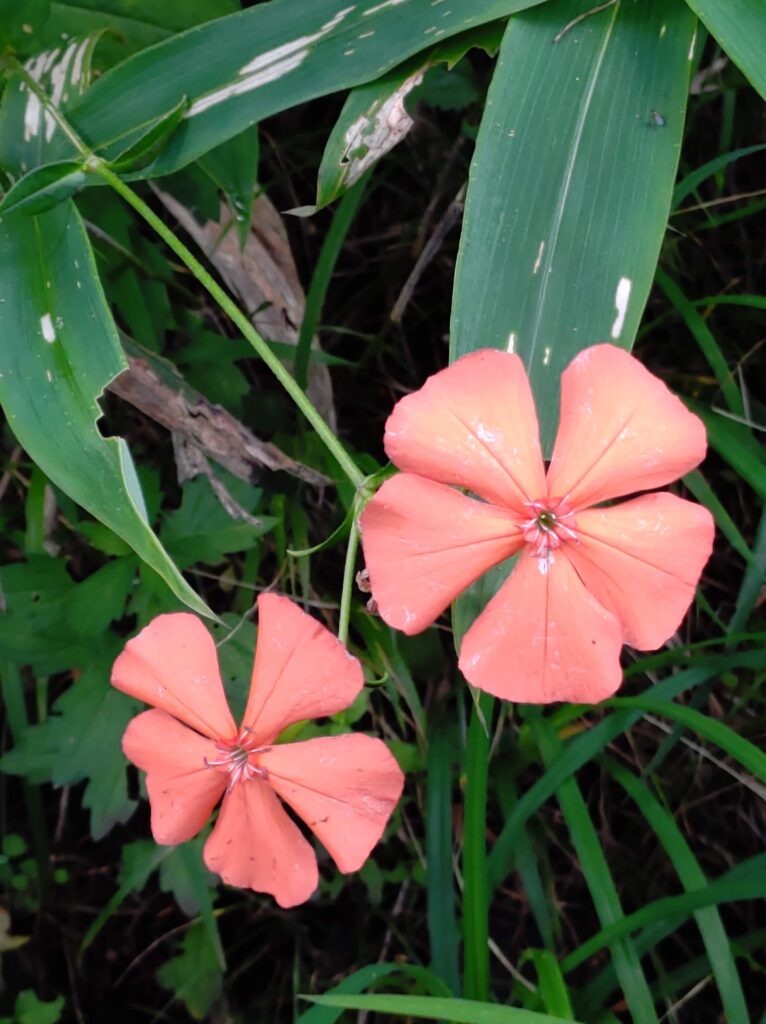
[244,67]
[571,183]
[740,27]
[58,350]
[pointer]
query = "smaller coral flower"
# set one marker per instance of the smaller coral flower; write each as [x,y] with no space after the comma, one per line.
[343,787]
[588,577]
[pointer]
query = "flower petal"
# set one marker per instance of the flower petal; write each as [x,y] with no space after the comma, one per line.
[472,424]
[544,638]
[424,543]
[344,787]
[621,430]
[255,845]
[642,561]
[182,790]
[172,664]
[301,670]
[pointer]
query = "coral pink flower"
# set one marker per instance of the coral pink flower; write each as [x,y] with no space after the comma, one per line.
[343,787]
[588,578]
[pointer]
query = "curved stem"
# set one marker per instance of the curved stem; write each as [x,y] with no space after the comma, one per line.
[237,317]
[348,583]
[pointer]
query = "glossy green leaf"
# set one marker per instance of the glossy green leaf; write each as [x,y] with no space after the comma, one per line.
[570,184]
[740,28]
[44,187]
[58,350]
[242,68]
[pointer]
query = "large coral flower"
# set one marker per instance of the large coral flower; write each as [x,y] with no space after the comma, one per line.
[588,578]
[343,787]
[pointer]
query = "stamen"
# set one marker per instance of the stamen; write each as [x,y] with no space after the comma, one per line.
[551,523]
[236,759]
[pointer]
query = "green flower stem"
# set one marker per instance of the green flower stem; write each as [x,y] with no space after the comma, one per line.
[475,887]
[235,314]
[348,582]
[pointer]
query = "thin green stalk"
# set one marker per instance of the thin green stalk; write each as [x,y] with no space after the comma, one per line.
[12,690]
[348,582]
[475,888]
[237,317]
[328,257]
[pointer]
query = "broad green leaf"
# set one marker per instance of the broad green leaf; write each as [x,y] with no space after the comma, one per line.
[58,351]
[459,1011]
[740,27]
[44,187]
[570,184]
[243,68]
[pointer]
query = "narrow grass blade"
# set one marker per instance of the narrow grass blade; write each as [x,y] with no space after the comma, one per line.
[525,860]
[672,911]
[752,582]
[328,1012]
[692,877]
[625,957]
[706,496]
[551,985]
[460,1011]
[746,753]
[577,753]
[706,340]
[475,888]
[443,928]
[342,220]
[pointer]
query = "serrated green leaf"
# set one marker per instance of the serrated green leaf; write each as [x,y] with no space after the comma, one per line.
[58,350]
[201,530]
[570,184]
[195,974]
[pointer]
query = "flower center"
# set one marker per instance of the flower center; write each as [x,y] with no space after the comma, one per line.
[551,522]
[239,758]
